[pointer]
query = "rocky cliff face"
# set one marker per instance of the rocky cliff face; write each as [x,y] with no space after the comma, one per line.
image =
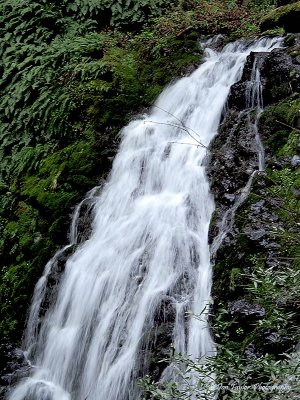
[256,286]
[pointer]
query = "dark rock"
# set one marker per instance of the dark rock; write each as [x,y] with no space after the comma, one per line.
[276,343]
[258,231]
[244,318]
[155,347]
[233,155]
[189,70]
[230,197]
[13,366]
[83,232]
[165,311]
[254,234]
[238,93]
[215,42]
[243,309]
[285,2]
[258,207]
[251,352]
[276,69]
[272,262]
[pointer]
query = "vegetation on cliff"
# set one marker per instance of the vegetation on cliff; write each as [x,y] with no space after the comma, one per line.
[73,73]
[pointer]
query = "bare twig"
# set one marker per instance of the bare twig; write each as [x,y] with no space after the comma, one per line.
[179,120]
[190,144]
[287,125]
[183,31]
[180,127]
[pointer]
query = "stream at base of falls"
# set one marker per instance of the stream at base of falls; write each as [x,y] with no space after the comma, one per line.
[148,251]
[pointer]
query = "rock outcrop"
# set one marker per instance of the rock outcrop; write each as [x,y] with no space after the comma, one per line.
[256,262]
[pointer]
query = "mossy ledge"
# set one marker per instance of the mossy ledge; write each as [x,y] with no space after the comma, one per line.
[287,17]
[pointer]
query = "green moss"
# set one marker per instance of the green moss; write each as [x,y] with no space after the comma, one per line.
[283,123]
[279,12]
[274,32]
[286,16]
[51,186]
[283,183]
[14,286]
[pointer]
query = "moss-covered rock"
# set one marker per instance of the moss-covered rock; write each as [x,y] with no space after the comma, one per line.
[287,17]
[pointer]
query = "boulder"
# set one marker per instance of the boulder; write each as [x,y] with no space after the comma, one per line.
[278,74]
[243,310]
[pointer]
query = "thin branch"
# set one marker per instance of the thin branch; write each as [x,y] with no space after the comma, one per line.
[190,144]
[183,31]
[179,120]
[287,125]
[168,112]
[180,127]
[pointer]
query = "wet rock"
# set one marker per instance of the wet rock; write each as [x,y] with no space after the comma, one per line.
[85,220]
[276,70]
[230,197]
[157,340]
[258,207]
[278,77]
[295,161]
[238,93]
[258,236]
[251,352]
[255,234]
[155,347]
[244,310]
[57,269]
[215,42]
[165,311]
[276,343]
[13,366]
[233,155]
[189,70]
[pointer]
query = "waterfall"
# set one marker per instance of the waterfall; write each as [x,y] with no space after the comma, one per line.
[148,249]
[41,286]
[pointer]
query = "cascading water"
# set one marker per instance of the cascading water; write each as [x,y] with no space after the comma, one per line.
[149,243]
[255,102]
[41,286]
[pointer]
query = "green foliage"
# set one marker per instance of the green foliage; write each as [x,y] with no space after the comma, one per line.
[230,373]
[283,120]
[286,16]
[67,88]
[37,222]
[119,12]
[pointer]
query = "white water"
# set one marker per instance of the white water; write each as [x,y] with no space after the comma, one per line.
[41,286]
[149,242]
[255,102]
